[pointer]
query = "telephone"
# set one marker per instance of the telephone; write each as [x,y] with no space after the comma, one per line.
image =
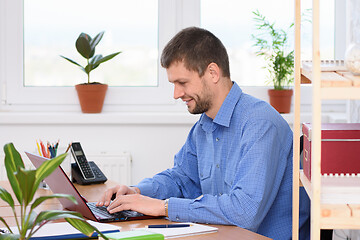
[84,172]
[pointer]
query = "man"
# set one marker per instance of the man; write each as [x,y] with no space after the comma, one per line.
[236,165]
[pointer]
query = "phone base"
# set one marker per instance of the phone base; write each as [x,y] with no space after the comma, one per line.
[76,176]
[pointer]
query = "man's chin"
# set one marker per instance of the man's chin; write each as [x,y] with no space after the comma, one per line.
[194,111]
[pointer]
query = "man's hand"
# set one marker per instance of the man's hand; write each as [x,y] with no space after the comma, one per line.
[118,190]
[139,203]
[129,198]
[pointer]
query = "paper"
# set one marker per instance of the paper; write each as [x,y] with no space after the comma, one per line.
[64,230]
[183,231]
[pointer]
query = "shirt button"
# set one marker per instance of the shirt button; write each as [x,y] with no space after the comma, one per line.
[177,218]
[217,165]
[217,139]
[220,194]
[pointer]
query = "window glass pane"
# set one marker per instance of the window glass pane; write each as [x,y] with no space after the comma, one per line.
[232,21]
[52,27]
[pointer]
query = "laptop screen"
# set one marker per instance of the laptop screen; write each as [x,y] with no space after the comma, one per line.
[59,182]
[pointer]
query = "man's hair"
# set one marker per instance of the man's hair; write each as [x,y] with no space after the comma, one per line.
[197,48]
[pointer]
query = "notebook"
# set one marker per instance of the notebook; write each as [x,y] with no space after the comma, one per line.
[63,230]
[59,182]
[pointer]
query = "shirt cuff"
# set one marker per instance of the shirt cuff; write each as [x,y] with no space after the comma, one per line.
[145,189]
[179,209]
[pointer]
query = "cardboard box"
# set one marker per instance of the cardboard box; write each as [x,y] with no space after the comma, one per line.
[340,148]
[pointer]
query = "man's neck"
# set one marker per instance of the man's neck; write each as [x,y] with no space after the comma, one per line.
[220,95]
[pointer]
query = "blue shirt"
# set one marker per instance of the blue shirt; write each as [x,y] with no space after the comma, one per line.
[240,164]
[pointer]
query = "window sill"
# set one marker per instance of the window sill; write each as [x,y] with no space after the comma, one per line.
[64,118]
[169,118]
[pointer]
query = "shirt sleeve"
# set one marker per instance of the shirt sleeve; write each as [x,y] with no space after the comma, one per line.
[258,176]
[181,181]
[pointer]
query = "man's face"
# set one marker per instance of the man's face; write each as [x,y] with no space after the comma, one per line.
[191,88]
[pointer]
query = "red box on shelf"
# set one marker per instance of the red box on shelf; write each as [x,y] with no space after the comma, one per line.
[340,148]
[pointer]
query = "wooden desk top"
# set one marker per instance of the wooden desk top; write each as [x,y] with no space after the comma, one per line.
[92,192]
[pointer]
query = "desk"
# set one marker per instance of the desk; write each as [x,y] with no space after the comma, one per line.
[91,193]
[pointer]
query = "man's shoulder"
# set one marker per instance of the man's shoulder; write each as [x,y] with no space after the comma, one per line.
[253,110]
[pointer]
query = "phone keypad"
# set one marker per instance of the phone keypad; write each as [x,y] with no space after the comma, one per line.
[85,167]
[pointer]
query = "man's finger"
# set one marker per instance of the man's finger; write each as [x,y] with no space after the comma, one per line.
[122,207]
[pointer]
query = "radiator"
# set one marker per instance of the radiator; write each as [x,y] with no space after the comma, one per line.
[116,167]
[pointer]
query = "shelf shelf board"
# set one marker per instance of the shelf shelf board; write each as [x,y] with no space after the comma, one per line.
[344,84]
[340,202]
[336,190]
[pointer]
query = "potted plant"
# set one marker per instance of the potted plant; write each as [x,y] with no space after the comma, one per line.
[24,184]
[91,94]
[272,44]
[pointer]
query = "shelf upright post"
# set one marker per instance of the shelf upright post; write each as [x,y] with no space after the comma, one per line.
[316,127]
[296,128]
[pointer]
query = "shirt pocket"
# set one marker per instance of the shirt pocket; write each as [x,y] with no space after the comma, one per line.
[205,179]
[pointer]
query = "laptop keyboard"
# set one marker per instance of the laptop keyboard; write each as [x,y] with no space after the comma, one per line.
[101,213]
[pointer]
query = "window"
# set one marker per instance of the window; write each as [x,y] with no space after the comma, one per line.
[51,28]
[46,93]
[232,21]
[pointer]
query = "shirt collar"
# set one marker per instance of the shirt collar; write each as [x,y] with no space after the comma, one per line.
[226,110]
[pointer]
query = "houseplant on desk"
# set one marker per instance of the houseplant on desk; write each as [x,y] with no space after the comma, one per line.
[91,94]
[272,45]
[24,184]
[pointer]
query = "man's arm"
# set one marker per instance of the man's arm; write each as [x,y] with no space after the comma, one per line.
[256,184]
[179,181]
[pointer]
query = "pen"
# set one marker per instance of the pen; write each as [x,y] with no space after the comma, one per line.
[68,147]
[169,226]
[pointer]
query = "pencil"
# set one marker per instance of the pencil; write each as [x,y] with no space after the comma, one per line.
[38,147]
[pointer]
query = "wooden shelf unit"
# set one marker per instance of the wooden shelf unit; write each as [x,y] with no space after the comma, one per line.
[326,84]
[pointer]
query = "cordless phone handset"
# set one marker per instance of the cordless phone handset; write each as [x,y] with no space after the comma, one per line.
[81,160]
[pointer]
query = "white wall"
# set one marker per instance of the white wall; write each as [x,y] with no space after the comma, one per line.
[152,139]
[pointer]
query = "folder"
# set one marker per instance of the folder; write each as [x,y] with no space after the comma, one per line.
[194,229]
[134,235]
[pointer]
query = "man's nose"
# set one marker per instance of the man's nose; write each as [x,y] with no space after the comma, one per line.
[178,92]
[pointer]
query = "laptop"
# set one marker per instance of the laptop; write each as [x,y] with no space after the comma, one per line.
[59,182]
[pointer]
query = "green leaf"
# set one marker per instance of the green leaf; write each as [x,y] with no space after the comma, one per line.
[94,42]
[12,162]
[4,222]
[95,59]
[89,68]
[9,237]
[46,168]
[106,58]
[84,227]
[55,215]
[73,62]
[83,45]
[39,200]
[26,179]
[30,219]
[6,196]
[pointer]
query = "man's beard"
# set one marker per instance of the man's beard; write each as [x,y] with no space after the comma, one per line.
[201,105]
[204,103]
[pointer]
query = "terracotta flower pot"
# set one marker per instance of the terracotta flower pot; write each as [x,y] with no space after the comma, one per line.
[281,99]
[91,96]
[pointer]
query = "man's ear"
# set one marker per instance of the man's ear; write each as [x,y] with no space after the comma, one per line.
[214,72]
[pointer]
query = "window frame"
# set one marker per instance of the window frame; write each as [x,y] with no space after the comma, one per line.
[174,15]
